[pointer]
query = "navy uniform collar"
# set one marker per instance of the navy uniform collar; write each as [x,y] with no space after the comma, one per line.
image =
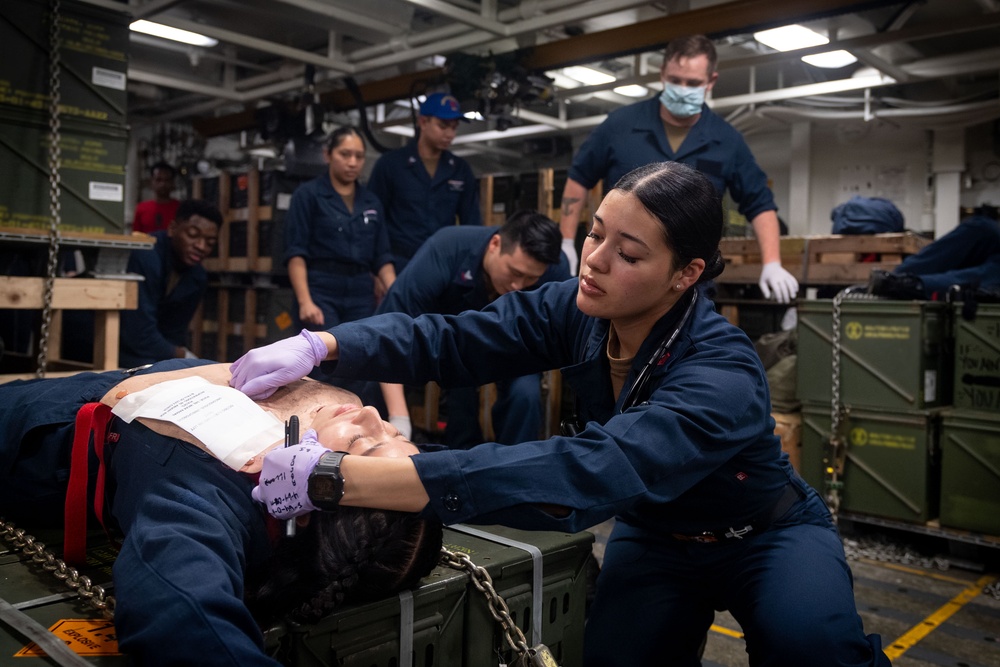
[699,134]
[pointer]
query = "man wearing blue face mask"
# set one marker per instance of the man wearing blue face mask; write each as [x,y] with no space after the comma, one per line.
[679,126]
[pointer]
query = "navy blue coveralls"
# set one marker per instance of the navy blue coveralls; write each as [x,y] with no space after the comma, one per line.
[446,277]
[633,136]
[417,205]
[159,325]
[192,531]
[968,255]
[696,454]
[341,248]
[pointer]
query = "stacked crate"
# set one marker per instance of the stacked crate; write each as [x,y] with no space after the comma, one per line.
[93,136]
[895,378]
[249,301]
[970,431]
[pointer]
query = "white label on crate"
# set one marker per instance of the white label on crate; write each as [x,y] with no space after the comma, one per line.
[107,191]
[284,201]
[930,386]
[108,78]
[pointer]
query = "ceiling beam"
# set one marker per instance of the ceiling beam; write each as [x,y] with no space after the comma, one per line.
[720,20]
[462,16]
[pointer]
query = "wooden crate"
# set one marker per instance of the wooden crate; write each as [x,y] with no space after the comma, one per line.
[822,260]
[788,427]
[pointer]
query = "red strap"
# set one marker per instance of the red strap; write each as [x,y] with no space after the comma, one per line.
[92,418]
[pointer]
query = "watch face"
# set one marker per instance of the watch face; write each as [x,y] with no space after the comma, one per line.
[324,487]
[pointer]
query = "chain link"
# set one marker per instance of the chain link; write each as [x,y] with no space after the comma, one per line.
[498,608]
[55,167]
[993,590]
[94,594]
[833,461]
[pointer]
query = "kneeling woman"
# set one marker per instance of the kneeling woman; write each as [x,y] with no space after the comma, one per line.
[675,438]
[202,567]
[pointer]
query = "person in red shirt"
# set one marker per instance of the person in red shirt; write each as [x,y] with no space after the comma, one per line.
[155,214]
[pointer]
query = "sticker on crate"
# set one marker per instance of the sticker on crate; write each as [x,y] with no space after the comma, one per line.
[84,636]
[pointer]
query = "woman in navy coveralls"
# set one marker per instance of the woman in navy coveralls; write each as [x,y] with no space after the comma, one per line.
[336,239]
[675,440]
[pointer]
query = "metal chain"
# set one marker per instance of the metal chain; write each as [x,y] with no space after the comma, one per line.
[89,591]
[498,608]
[55,166]
[833,462]
[993,590]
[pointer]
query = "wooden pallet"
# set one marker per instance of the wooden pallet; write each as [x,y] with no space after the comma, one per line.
[822,260]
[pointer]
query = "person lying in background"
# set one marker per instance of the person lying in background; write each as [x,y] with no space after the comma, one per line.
[199,558]
[966,259]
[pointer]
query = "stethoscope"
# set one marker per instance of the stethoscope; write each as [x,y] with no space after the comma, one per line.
[632,397]
[571,427]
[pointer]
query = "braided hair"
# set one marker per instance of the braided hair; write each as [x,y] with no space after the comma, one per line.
[351,555]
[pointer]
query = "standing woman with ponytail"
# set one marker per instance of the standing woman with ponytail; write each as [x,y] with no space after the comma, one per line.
[673,437]
[336,239]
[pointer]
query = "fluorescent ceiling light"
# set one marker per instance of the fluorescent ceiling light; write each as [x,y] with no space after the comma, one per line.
[632,90]
[790,37]
[587,76]
[175,34]
[830,59]
[473,115]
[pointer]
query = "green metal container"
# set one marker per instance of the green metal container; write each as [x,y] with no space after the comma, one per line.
[893,354]
[970,471]
[452,624]
[47,600]
[92,189]
[977,358]
[892,467]
[93,59]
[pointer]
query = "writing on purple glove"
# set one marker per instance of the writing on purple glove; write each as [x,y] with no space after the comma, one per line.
[260,372]
[283,487]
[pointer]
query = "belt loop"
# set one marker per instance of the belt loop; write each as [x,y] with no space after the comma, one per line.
[92,418]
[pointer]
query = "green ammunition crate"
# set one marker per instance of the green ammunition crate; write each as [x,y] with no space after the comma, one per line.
[892,468]
[92,177]
[893,354]
[93,59]
[970,471]
[977,358]
[46,600]
[451,621]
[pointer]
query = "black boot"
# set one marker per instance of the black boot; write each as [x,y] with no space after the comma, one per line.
[901,286]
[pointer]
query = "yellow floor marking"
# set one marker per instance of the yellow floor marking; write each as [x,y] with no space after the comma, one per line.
[929,624]
[922,573]
[726,631]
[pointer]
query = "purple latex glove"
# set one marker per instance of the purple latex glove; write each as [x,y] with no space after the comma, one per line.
[284,478]
[260,372]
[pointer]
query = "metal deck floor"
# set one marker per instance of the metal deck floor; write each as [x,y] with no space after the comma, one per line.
[926,617]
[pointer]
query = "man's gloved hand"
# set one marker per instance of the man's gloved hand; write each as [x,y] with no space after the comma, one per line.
[260,372]
[284,479]
[403,424]
[569,249]
[774,280]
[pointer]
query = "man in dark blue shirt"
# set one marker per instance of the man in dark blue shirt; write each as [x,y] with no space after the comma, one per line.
[424,186]
[466,268]
[172,287]
[678,126]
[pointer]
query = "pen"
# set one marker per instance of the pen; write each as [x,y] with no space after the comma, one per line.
[291,438]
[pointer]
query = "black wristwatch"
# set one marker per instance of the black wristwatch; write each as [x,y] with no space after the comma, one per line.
[326,484]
